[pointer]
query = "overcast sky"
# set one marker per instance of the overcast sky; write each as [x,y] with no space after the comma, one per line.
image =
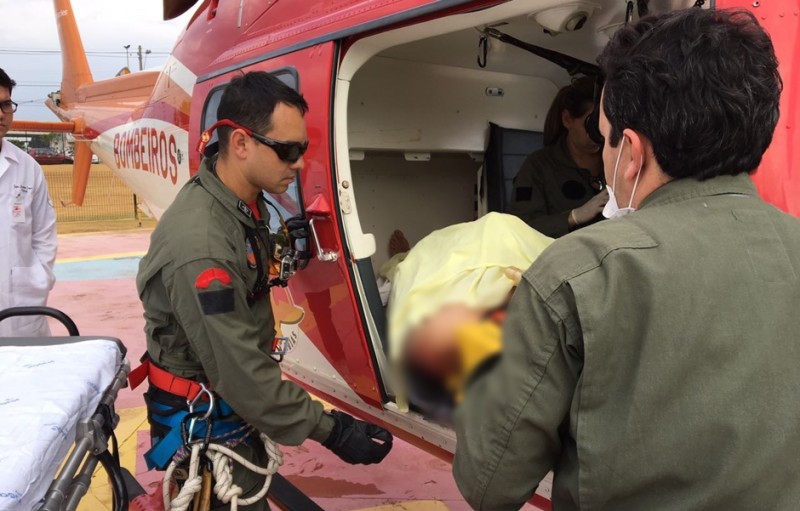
[30,53]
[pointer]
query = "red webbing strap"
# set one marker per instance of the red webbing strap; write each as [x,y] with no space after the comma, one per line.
[164,380]
[137,376]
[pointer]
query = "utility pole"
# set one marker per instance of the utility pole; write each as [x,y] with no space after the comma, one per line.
[127,56]
[135,200]
[146,52]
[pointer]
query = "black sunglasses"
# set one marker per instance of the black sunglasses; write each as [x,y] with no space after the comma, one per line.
[286,151]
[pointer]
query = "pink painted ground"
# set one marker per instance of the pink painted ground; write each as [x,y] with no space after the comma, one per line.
[406,475]
[108,307]
[111,308]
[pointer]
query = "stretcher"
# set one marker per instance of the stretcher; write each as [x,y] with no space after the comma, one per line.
[57,416]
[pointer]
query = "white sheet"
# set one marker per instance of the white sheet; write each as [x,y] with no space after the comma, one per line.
[44,392]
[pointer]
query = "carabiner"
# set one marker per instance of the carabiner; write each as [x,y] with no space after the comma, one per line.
[203,390]
[187,432]
[629,12]
[483,50]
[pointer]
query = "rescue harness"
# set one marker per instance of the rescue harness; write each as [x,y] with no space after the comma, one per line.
[173,410]
[190,422]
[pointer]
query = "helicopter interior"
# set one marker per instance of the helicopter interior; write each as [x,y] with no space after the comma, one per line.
[419,103]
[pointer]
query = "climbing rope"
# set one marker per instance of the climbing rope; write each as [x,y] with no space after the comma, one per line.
[221,458]
[191,486]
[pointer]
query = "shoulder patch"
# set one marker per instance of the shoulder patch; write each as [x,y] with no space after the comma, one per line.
[217,302]
[208,276]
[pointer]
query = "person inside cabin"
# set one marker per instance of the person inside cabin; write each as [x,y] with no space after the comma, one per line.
[560,188]
[205,288]
[650,361]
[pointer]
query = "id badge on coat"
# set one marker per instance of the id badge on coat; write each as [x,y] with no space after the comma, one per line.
[18,213]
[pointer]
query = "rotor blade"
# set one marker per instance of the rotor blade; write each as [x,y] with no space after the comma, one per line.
[43,126]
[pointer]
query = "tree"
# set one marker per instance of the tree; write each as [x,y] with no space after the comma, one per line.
[43,139]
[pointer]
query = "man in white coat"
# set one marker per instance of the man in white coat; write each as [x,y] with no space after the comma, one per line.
[27,229]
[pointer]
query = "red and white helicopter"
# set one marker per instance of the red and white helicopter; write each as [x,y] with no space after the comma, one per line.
[401,95]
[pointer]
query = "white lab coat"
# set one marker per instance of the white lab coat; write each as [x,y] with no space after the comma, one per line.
[27,240]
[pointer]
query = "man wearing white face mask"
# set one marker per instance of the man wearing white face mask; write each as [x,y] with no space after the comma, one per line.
[651,361]
[612,209]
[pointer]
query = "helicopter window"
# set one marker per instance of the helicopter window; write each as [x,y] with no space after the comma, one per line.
[287,76]
[289,203]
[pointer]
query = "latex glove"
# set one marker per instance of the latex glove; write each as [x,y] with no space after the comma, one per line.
[357,442]
[513,274]
[591,209]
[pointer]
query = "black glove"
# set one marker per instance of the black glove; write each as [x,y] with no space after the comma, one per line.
[297,227]
[356,441]
[299,230]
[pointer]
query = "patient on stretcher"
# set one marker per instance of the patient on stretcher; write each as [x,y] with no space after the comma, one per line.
[453,344]
[447,298]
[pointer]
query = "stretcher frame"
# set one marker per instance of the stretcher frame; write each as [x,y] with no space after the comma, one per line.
[92,434]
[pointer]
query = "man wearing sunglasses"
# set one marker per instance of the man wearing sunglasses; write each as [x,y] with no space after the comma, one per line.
[27,229]
[205,283]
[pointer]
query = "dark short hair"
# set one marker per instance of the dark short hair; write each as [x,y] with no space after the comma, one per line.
[6,81]
[250,100]
[701,85]
[576,98]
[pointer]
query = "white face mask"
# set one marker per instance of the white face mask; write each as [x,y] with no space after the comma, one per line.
[612,209]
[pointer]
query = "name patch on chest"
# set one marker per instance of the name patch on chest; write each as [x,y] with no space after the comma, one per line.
[17,213]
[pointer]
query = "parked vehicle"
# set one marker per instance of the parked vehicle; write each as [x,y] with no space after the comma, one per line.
[47,156]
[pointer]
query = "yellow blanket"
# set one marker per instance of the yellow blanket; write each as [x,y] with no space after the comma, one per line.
[462,263]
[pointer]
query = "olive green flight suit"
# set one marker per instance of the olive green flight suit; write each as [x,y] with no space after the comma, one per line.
[651,362]
[194,284]
[548,186]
